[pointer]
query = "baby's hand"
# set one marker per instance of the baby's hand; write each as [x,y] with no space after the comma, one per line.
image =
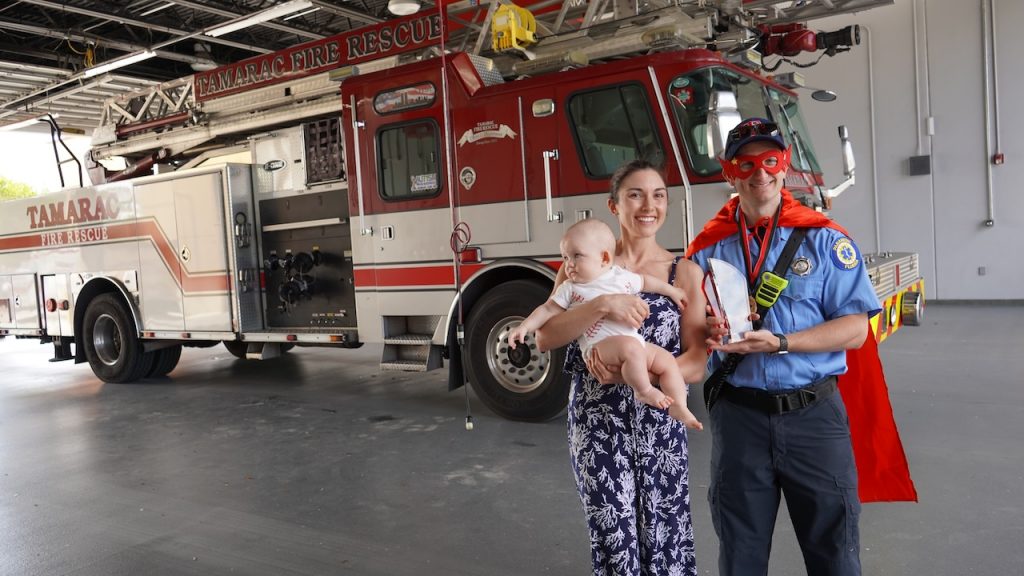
[678,295]
[517,335]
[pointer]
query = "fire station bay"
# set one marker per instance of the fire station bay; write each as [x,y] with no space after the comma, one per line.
[296,287]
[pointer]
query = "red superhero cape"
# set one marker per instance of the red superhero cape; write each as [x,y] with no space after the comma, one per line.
[882,470]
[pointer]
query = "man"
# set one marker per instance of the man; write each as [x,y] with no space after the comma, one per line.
[778,425]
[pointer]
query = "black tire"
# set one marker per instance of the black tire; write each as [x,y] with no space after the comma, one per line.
[237,348]
[166,360]
[521,384]
[111,342]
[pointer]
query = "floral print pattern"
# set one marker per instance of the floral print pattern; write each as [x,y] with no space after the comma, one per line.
[630,464]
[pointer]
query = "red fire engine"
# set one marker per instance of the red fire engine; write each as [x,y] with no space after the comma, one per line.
[404,184]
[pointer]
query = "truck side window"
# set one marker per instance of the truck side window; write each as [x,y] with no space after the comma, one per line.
[409,161]
[613,126]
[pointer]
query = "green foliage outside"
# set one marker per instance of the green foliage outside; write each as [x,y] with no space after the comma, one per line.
[11,190]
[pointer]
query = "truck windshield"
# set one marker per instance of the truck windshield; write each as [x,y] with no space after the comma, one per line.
[691,94]
[787,115]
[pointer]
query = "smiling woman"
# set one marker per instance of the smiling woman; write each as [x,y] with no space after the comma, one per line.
[26,156]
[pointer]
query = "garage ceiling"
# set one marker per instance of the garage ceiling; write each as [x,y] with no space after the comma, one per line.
[51,50]
[67,57]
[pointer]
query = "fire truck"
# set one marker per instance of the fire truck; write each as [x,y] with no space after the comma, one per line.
[406,184]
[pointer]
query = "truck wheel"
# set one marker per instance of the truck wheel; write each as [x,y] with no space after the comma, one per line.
[520,383]
[237,348]
[111,344]
[166,360]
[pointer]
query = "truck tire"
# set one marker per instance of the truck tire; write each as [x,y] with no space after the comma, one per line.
[112,345]
[165,361]
[237,348]
[520,384]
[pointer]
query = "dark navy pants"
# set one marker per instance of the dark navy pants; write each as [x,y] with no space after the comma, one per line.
[804,454]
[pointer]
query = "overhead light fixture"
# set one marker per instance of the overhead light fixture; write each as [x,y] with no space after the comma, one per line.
[119,63]
[157,9]
[300,14]
[262,16]
[403,7]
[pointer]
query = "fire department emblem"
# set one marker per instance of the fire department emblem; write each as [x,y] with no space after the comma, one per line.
[801,266]
[486,131]
[468,177]
[844,254]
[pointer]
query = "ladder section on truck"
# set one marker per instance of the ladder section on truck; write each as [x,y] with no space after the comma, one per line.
[168,117]
[408,343]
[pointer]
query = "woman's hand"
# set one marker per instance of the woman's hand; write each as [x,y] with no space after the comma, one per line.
[623,308]
[603,373]
[717,329]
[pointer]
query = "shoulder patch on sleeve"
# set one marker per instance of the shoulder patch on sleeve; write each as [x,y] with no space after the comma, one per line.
[844,253]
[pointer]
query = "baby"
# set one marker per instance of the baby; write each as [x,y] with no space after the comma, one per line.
[587,251]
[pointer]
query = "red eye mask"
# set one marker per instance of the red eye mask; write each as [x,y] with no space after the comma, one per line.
[742,167]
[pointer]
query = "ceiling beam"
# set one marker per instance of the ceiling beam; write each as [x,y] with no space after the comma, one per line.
[347,12]
[124,46]
[232,15]
[153,27]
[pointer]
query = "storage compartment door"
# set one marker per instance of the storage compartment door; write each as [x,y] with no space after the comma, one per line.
[202,252]
[26,302]
[57,305]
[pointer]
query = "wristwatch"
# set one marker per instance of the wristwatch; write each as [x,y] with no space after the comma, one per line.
[783,344]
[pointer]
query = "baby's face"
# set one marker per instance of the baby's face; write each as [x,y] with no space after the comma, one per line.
[582,262]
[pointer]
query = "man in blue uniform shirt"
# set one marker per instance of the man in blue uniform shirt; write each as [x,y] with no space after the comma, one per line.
[778,426]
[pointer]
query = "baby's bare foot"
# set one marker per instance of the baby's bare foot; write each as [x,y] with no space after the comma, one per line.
[654,397]
[682,413]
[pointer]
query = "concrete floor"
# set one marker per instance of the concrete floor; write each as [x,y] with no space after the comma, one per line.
[316,464]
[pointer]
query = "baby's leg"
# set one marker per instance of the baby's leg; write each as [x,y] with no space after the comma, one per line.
[634,361]
[663,364]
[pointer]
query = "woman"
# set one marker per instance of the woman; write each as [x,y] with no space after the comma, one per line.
[629,459]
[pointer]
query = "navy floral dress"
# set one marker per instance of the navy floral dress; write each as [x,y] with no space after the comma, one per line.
[631,467]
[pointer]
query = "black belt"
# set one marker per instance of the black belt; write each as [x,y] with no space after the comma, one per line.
[779,403]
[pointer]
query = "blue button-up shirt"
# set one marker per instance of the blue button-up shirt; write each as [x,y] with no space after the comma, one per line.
[835,284]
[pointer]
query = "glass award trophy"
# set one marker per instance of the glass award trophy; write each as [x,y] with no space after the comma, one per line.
[725,288]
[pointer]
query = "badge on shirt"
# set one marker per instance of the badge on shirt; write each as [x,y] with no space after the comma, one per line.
[801,266]
[844,254]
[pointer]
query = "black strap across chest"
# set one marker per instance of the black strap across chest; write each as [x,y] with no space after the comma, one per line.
[713,385]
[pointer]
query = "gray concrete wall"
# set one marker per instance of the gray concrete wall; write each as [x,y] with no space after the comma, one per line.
[940,216]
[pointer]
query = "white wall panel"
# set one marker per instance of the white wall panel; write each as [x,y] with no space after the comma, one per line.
[940,215]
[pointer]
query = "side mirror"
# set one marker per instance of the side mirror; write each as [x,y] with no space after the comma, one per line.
[849,163]
[723,116]
[849,166]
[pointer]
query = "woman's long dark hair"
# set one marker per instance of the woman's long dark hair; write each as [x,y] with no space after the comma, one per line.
[628,169]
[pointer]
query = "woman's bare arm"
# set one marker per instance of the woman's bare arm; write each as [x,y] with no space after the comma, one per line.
[692,325]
